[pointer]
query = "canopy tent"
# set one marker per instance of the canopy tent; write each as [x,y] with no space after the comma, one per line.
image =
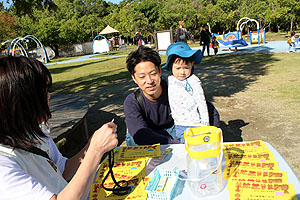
[108,30]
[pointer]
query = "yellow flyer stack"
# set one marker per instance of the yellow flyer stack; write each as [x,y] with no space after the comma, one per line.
[130,165]
[253,173]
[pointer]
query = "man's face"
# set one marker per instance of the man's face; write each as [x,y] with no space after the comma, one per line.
[181,69]
[147,77]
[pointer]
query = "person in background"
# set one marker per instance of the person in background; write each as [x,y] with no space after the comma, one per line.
[31,166]
[139,39]
[292,43]
[205,39]
[181,33]
[215,44]
[186,96]
[147,111]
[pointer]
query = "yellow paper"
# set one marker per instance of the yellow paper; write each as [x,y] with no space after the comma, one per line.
[252,173]
[132,171]
[133,152]
[247,147]
[255,155]
[255,191]
[138,192]
[166,153]
[127,169]
[262,157]
[266,180]
[231,166]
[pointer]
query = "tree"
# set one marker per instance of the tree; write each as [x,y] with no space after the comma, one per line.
[277,14]
[1,6]
[8,27]
[72,22]
[76,21]
[23,7]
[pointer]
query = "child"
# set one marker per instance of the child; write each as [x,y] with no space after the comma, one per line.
[292,42]
[215,44]
[186,96]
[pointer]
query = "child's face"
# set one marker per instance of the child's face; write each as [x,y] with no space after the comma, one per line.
[182,70]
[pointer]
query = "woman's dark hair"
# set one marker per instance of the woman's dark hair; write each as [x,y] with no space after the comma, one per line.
[142,54]
[24,85]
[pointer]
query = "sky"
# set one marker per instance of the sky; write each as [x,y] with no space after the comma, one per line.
[7,5]
[114,1]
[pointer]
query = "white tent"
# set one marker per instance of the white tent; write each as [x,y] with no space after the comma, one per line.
[108,30]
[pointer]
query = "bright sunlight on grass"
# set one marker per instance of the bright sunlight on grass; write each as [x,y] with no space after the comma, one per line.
[281,76]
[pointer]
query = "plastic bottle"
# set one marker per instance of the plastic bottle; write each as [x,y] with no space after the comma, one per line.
[204,175]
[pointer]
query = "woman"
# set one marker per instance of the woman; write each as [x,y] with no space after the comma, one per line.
[181,33]
[205,38]
[25,170]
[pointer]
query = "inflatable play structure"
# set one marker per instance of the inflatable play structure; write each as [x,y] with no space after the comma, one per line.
[235,39]
[230,41]
[103,45]
[100,46]
[256,37]
[16,48]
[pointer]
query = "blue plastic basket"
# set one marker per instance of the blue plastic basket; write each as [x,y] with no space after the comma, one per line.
[152,185]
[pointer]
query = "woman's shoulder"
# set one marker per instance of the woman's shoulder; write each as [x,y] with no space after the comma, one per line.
[7,151]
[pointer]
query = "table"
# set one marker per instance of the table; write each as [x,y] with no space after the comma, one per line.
[178,157]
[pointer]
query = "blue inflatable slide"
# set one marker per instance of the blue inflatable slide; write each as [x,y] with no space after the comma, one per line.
[233,43]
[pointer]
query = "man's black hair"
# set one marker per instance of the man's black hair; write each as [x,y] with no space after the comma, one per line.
[142,54]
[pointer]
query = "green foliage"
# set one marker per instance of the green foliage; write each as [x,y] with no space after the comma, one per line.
[76,21]
[8,27]
[23,7]
[1,6]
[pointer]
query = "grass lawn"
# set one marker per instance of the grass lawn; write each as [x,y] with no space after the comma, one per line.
[271,36]
[74,77]
[281,76]
[277,74]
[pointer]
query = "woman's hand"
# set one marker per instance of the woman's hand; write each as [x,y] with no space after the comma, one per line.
[105,138]
[84,165]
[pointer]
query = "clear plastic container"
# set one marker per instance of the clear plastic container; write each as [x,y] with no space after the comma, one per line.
[204,161]
[204,176]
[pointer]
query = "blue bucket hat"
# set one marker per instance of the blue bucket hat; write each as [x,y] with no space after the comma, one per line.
[182,50]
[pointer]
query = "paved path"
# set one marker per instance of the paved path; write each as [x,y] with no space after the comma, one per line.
[84,58]
[68,122]
[269,47]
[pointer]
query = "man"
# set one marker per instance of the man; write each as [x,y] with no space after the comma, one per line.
[147,123]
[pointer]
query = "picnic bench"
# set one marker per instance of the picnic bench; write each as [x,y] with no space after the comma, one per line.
[68,127]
